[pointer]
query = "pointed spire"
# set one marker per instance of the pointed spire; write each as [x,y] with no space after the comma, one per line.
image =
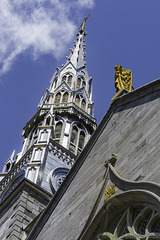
[77,53]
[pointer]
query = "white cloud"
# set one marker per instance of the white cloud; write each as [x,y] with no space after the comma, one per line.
[86,3]
[45,26]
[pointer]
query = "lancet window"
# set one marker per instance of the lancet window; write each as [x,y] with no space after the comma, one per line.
[32,137]
[80,83]
[80,101]
[77,100]
[64,78]
[68,79]
[83,105]
[48,121]
[58,131]
[65,97]
[77,140]
[57,98]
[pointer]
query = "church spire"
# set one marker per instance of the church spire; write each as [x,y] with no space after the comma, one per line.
[77,52]
[62,125]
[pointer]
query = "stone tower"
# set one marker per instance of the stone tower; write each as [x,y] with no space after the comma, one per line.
[53,138]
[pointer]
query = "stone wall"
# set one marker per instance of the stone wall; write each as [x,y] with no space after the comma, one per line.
[18,210]
[130,130]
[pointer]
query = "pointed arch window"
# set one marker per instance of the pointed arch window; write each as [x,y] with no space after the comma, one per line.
[48,120]
[65,97]
[58,130]
[57,98]
[69,81]
[83,104]
[81,140]
[64,78]
[78,83]
[77,101]
[74,135]
[77,139]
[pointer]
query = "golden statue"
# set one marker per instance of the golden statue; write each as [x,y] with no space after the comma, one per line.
[82,27]
[123,80]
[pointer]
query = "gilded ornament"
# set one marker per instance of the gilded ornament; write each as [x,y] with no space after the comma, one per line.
[123,79]
[82,27]
[109,192]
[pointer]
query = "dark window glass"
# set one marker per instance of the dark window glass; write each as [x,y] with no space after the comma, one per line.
[57,98]
[65,97]
[58,130]
[69,81]
[81,140]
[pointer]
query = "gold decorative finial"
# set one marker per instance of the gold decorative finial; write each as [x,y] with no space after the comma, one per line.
[123,79]
[82,27]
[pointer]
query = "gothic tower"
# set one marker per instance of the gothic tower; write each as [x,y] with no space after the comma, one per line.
[53,138]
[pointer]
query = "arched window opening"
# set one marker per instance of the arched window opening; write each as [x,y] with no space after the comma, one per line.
[81,140]
[74,135]
[73,141]
[69,81]
[84,84]
[57,98]
[48,121]
[78,83]
[83,104]
[128,222]
[77,100]
[58,130]
[63,78]
[65,97]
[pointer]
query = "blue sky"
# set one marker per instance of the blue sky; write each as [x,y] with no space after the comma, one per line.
[36,37]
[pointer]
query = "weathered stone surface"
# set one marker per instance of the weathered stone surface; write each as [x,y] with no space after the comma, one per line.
[19,210]
[130,130]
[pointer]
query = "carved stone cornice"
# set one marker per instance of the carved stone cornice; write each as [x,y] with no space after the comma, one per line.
[17,168]
[74,109]
[61,153]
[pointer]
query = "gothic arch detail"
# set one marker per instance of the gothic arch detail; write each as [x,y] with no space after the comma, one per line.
[135,222]
[77,139]
[56,178]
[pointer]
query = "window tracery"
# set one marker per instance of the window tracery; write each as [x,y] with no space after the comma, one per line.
[134,223]
[57,177]
[80,82]
[67,78]
[77,140]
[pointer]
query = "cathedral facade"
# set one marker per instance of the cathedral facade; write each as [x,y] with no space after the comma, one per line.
[75,181]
